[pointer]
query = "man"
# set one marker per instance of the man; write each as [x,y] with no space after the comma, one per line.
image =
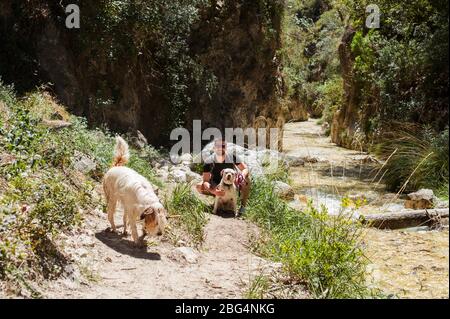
[213,167]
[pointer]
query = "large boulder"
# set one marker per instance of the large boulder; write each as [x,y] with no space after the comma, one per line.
[284,190]
[422,199]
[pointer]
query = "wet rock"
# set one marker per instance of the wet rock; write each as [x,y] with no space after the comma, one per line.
[185,254]
[310,159]
[364,197]
[294,161]
[422,199]
[284,190]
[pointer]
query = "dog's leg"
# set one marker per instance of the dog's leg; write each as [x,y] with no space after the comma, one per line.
[111,210]
[134,232]
[125,213]
[233,207]
[216,206]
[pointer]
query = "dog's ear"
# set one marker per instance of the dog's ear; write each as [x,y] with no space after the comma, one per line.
[147,212]
[221,172]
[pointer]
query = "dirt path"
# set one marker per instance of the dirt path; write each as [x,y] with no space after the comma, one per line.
[404,263]
[223,269]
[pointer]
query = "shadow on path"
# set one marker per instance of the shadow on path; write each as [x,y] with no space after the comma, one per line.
[126,247]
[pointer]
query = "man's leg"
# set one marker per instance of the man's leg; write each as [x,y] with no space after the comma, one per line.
[202,190]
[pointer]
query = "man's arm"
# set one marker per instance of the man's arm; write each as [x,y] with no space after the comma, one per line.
[243,168]
[207,185]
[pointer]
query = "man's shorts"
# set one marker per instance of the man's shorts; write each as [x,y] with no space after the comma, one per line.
[239,181]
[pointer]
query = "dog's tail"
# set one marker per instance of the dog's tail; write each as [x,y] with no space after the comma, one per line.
[121,152]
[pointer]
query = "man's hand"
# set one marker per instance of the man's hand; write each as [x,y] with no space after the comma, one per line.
[218,192]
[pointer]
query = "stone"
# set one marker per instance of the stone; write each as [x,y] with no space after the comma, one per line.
[86,240]
[81,252]
[185,254]
[422,199]
[7,159]
[177,176]
[284,190]
[192,176]
[56,124]
[139,140]
[84,164]
[163,175]
[186,158]
[294,161]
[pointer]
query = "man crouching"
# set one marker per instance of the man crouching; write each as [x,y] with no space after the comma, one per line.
[212,174]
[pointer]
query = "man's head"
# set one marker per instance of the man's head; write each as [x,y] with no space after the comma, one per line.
[220,146]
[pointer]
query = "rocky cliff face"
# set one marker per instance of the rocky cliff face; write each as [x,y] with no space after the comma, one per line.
[229,75]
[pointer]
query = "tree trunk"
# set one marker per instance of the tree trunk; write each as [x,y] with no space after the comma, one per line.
[405,218]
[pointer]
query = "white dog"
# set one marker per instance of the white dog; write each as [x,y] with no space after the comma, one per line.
[228,202]
[122,184]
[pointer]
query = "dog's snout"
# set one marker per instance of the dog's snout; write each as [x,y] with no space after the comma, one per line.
[159,233]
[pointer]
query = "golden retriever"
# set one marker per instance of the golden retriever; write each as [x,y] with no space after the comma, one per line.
[122,184]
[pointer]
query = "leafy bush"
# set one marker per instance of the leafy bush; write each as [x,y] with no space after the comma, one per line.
[33,211]
[188,212]
[323,251]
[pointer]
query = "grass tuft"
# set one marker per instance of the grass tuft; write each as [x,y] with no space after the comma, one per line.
[187,212]
[421,156]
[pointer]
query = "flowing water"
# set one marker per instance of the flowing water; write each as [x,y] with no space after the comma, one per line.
[410,263]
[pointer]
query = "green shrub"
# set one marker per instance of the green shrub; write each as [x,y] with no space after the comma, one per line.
[33,211]
[323,251]
[188,212]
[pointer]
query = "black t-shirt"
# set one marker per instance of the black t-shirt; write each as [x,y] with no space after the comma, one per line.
[211,166]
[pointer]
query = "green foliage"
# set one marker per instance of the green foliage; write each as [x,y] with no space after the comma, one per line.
[33,211]
[323,251]
[258,288]
[312,32]
[420,156]
[331,94]
[402,67]
[188,212]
